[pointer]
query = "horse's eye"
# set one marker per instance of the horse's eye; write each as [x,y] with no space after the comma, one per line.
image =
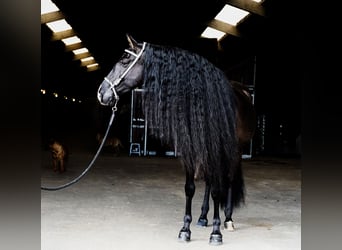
[125,59]
[124,56]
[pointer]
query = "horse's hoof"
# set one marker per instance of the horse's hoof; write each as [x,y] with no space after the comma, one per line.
[202,222]
[229,225]
[184,236]
[215,239]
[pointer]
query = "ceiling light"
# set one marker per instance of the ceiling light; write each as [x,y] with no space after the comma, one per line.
[80,51]
[71,40]
[59,25]
[231,15]
[46,6]
[212,33]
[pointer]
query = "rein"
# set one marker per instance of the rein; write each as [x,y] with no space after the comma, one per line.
[114,109]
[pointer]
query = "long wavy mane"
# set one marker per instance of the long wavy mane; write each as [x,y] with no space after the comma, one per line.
[189,103]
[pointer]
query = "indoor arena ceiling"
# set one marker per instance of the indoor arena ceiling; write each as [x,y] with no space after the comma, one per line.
[102,25]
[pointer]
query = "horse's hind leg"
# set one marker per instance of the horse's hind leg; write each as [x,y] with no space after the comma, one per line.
[203,219]
[228,211]
[185,233]
[216,236]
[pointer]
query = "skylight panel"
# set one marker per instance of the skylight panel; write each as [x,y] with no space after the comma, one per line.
[87,59]
[71,40]
[92,65]
[80,51]
[231,15]
[212,33]
[46,6]
[59,25]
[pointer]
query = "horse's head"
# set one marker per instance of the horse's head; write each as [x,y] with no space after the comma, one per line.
[126,74]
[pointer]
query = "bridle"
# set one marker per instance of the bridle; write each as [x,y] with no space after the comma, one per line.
[118,80]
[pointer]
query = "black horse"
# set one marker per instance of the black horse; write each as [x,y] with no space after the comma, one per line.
[189,104]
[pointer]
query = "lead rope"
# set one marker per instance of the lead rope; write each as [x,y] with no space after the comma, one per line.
[93,160]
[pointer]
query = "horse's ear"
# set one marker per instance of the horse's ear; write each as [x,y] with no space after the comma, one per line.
[132,43]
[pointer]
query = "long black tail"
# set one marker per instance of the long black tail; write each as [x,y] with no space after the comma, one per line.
[238,187]
[236,182]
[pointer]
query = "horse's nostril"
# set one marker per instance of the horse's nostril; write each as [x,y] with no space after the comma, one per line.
[107,97]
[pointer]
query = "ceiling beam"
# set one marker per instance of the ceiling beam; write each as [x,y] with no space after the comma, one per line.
[74,46]
[50,17]
[248,5]
[63,34]
[224,27]
[83,55]
[88,62]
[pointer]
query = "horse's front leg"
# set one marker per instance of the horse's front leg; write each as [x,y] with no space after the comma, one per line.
[216,236]
[203,219]
[185,233]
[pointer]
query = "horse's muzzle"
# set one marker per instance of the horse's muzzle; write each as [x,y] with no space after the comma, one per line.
[105,98]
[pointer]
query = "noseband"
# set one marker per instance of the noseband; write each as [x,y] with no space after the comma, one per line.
[118,80]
